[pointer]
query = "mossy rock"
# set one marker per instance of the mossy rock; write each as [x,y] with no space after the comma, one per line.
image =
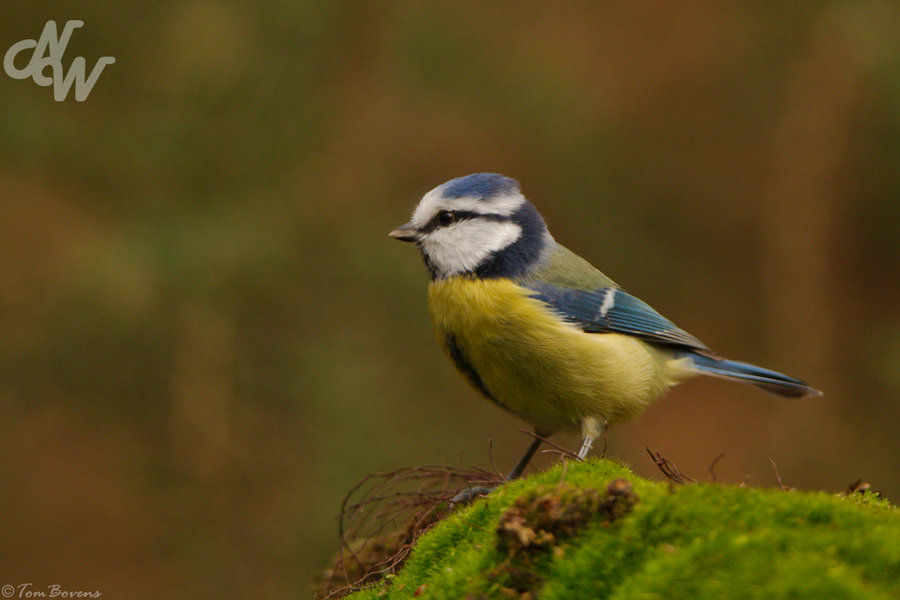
[595,530]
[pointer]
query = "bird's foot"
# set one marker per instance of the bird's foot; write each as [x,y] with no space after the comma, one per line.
[471,493]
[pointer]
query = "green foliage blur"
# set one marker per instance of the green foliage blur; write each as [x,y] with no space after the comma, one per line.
[206,336]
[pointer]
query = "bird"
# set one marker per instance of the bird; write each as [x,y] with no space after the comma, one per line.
[539,331]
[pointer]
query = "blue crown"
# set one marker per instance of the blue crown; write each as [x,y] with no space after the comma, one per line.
[479,185]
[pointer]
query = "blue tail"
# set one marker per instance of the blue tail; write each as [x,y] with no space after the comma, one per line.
[770,381]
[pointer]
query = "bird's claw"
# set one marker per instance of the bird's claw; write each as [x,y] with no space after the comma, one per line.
[471,493]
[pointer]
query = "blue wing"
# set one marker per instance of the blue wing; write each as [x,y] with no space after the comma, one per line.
[610,309]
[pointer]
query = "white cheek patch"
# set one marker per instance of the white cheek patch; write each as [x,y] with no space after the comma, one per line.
[434,202]
[463,246]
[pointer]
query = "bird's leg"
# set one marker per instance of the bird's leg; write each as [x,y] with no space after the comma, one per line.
[468,494]
[586,444]
[523,462]
[591,429]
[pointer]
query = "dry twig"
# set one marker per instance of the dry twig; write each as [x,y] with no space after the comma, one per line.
[712,466]
[382,517]
[669,469]
[785,488]
[554,447]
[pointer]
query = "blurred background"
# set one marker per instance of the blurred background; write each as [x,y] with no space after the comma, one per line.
[206,336]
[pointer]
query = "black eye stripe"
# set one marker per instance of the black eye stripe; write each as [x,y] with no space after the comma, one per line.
[462,215]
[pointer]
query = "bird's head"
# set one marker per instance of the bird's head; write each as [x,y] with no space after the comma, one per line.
[478,225]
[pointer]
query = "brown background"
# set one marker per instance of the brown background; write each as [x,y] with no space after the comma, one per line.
[206,336]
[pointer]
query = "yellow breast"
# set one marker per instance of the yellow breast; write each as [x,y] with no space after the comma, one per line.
[548,372]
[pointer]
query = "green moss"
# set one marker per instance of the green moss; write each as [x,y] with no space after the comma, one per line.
[574,533]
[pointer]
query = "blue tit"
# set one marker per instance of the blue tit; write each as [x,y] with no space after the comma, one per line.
[540,332]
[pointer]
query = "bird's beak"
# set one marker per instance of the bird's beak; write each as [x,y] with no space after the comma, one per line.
[405,233]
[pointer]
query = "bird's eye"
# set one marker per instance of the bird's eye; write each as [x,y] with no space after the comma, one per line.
[445,217]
